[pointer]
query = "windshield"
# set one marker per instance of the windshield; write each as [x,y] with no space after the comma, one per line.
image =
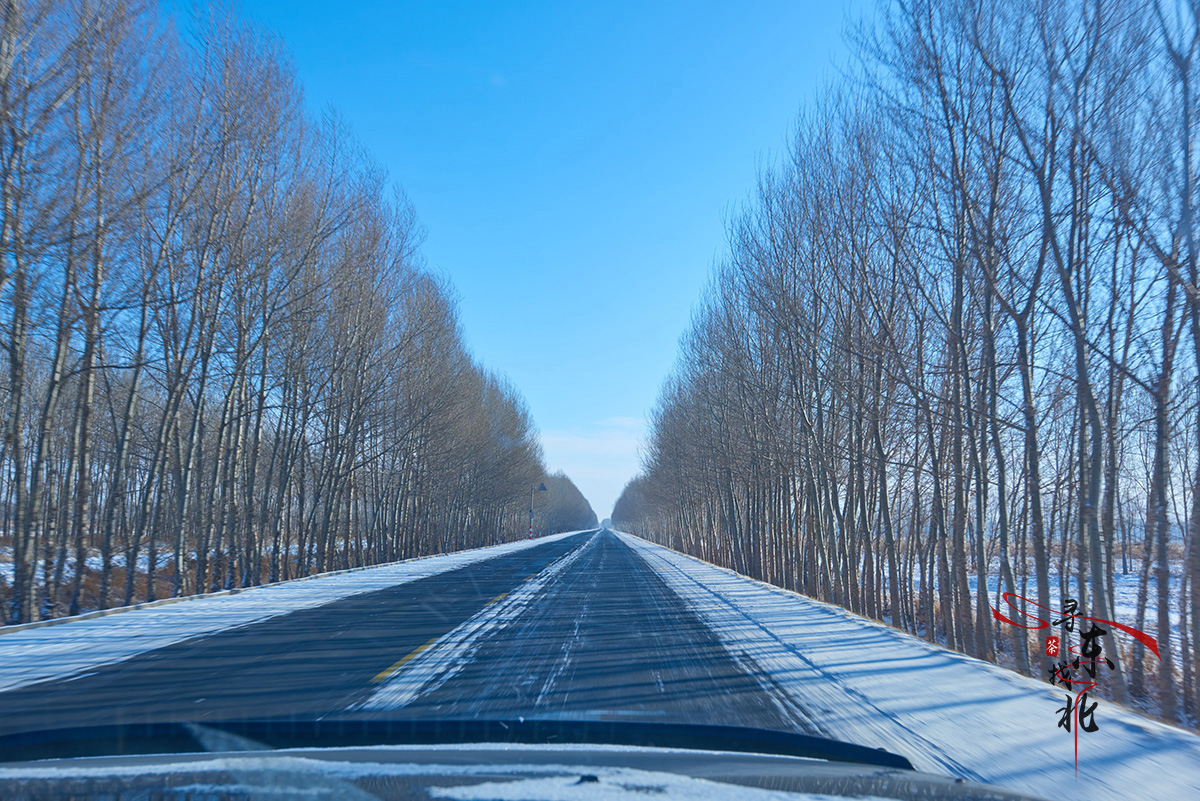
[703,374]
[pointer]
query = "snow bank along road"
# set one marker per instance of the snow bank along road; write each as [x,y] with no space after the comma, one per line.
[595,625]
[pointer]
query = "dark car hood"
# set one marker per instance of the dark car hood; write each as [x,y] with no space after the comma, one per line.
[422,759]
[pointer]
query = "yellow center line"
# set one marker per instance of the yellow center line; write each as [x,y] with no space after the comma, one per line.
[383,675]
[386,673]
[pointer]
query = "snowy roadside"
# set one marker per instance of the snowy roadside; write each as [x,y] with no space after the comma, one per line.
[31,655]
[868,683]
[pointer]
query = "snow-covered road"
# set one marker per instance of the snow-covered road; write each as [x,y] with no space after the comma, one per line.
[604,627]
[72,647]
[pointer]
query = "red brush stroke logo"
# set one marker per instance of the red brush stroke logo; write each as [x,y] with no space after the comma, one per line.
[1073,710]
[1141,636]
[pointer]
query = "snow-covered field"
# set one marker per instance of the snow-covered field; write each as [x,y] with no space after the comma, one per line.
[868,683]
[76,646]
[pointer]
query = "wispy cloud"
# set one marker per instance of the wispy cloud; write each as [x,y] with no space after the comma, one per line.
[599,458]
[590,445]
[635,423]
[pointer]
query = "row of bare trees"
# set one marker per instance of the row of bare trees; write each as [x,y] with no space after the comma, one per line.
[564,508]
[957,336]
[225,363]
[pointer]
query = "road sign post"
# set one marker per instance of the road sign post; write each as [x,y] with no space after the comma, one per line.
[532,489]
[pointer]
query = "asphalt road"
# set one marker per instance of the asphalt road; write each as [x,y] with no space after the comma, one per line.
[580,627]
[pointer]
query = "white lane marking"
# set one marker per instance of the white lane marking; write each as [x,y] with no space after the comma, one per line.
[443,659]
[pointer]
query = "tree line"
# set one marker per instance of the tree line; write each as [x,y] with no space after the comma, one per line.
[226,361]
[562,508]
[956,334]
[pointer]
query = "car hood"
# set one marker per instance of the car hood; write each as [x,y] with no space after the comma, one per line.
[478,771]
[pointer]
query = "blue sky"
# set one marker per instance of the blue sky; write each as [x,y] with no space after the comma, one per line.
[573,165]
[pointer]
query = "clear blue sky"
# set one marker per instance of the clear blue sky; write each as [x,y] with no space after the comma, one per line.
[573,164]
